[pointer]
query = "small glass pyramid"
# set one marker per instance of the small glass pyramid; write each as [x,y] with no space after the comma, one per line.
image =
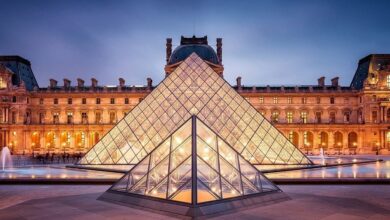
[193,88]
[194,166]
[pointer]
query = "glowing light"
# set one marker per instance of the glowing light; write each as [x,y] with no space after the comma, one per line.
[354,160]
[154,192]
[233,192]
[206,149]
[174,189]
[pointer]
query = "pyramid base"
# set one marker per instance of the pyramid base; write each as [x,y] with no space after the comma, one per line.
[178,209]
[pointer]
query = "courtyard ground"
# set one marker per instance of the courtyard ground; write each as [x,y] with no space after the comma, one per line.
[307,202]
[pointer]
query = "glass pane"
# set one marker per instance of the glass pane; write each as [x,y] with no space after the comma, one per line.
[204,193]
[184,194]
[181,153]
[179,177]
[209,177]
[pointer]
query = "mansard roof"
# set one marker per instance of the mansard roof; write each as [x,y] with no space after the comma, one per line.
[22,69]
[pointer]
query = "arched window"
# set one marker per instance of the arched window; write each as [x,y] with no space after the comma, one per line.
[352,140]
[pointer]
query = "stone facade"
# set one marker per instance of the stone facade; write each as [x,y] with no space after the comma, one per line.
[71,118]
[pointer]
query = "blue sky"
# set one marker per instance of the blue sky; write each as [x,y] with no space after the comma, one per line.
[265,42]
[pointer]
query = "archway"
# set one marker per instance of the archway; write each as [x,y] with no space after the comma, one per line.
[50,140]
[80,141]
[35,141]
[308,140]
[352,140]
[293,138]
[324,140]
[338,140]
[65,141]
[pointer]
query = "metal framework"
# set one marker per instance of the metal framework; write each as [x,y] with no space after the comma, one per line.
[194,166]
[194,89]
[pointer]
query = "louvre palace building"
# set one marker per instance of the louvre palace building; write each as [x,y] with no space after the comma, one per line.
[71,117]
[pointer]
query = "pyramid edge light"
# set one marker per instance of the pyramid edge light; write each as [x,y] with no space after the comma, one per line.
[193,207]
[193,60]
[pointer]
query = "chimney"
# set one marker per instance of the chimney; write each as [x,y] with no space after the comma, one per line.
[80,83]
[239,87]
[169,49]
[219,50]
[94,83]
[66,83]
[53,83]
[149,85]
[321,81]
[121,82]
[335,81]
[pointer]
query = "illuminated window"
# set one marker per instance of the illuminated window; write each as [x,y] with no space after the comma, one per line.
[261,100]
[275,100]
[289,117]
[388,81]
[289,100]
[304,117]
[69,118]
[3,83]
[275,116]
[56,118]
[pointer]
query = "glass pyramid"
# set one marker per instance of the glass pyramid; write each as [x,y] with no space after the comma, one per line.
[194,166]
[193,88]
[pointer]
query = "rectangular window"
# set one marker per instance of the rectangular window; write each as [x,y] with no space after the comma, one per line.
[13,118]
[303,100]
[374,116]
[318,99]
[318,117]
[275,100]
[83,101]
[331,100]
[289,117]
[3,83]
[98,101]
[388,81]
[56,118]
[98,118]
[112,100]
[126,100]
[346,117]
[69,118]
[112,117]
[70,101]
[41,118]
[261,100]
[304,117]
[84,118]
[55,101]
[41,101]
[275,117]
[289,100]
[332,117]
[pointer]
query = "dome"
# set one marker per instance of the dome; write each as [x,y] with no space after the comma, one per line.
[204,51]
